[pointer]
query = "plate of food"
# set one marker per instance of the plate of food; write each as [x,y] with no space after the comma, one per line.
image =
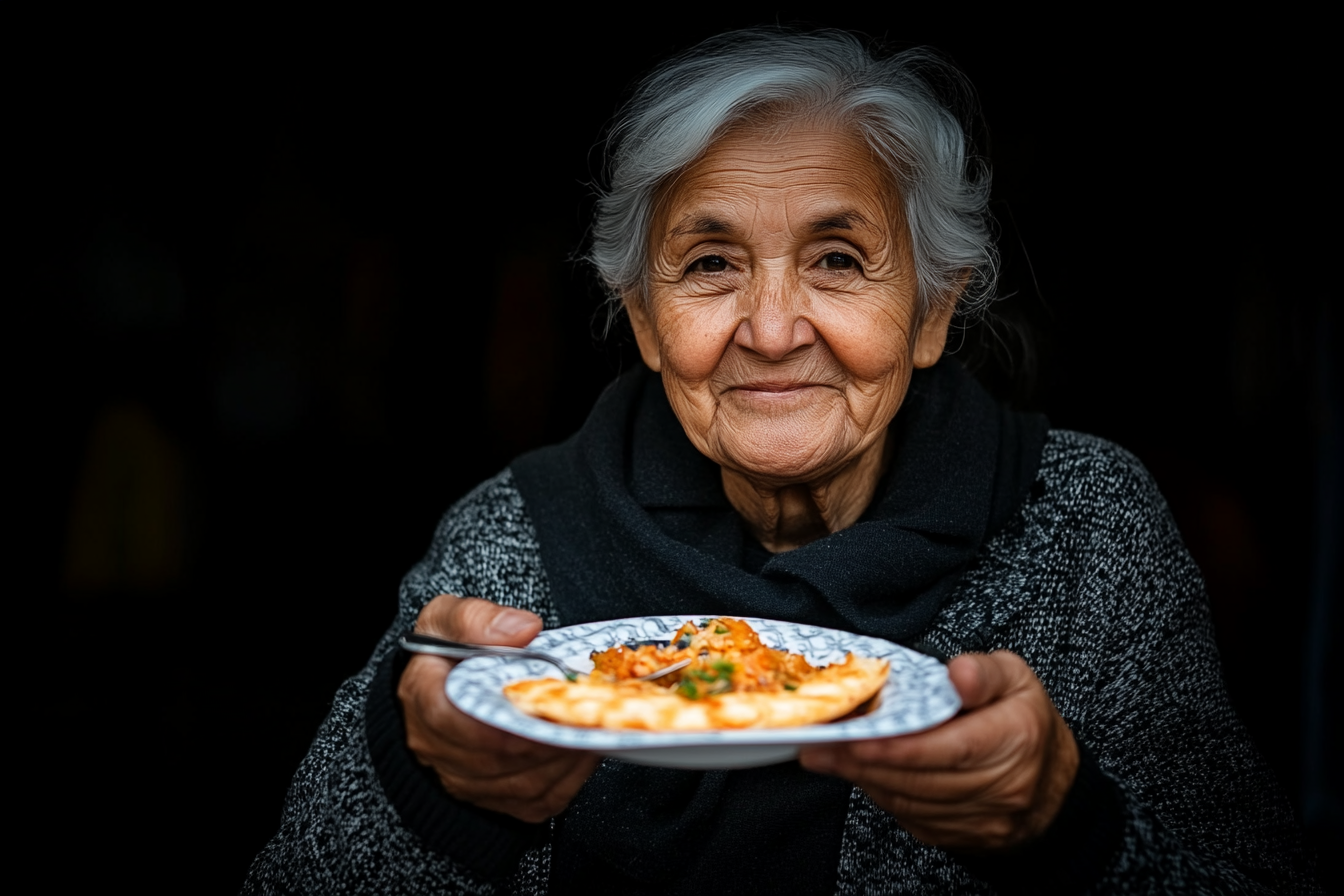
[755,691]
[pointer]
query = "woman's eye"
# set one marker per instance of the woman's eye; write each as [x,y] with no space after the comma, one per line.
[838,261]
[710,264]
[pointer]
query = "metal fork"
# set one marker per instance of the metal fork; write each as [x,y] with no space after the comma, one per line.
[415,642]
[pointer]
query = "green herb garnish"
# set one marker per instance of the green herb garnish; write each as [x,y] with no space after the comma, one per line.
[719,670]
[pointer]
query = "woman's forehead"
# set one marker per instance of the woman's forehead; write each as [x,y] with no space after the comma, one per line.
[804,175]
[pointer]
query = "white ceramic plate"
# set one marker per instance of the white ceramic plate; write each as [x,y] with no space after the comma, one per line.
[917,695]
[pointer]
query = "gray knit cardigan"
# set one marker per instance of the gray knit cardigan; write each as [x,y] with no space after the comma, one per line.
[1089,583]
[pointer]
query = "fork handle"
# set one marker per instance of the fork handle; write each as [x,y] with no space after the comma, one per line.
[415,642]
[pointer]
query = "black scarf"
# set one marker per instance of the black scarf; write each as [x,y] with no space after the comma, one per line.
[632,521]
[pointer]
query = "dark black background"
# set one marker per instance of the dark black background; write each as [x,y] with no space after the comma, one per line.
[301,284]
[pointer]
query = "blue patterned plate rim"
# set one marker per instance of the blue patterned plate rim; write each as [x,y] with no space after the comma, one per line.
[918,694]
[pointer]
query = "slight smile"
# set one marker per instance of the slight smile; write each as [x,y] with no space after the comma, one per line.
[772,391]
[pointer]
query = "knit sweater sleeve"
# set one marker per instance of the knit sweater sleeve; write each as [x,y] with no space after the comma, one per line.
[360,817]
[1202,811]
[1091,584]
[1120,633]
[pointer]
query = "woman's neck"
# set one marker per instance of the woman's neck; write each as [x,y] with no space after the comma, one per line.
[784,517]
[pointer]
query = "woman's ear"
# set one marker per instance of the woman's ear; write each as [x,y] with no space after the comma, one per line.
[645,337]
[932,336]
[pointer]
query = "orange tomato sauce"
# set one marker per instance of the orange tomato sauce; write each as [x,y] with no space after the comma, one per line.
[726,654]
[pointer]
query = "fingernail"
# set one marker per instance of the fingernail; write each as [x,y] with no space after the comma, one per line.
[509,624]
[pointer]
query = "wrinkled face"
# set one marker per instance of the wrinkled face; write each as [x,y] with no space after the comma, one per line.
[783,303]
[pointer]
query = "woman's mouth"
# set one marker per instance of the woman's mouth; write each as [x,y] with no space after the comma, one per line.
[772,392]
[772,387]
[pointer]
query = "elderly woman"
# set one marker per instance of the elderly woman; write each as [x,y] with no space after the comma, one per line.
[791,225]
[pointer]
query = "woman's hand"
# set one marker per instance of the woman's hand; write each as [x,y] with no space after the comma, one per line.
[475,762]
[991,778]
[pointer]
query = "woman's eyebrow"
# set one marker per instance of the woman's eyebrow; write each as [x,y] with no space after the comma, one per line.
[846,220]
[697,225]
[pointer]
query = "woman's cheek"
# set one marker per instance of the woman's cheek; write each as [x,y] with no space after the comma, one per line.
[692,345]
[871,351]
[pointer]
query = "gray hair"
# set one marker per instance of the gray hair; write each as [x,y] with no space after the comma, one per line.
[688,102]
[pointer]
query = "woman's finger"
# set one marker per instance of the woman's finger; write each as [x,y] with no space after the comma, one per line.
[437,731]
[473,761]
[535,795]
[994,775]
[982,678]
[1002,784]
[477,621]
[988,737]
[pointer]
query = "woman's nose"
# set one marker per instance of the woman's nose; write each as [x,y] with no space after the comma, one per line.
[774,325]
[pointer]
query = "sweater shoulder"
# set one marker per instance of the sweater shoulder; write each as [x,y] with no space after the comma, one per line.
[1084,467]
[1093,498]
[1090,496]
[484,546]
[1093,542]
[492,509]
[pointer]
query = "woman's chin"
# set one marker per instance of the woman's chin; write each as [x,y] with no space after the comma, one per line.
[784,442]
[777,458]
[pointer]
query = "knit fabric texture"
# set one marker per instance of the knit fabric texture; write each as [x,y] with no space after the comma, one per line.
[1089,582]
